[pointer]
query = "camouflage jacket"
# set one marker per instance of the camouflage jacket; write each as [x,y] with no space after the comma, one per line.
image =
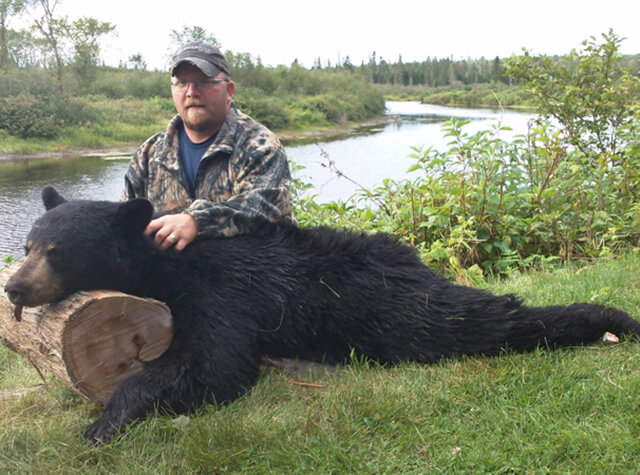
[243,174]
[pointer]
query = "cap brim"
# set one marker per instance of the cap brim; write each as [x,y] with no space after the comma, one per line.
[206,67]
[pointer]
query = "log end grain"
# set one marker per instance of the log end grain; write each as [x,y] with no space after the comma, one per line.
[110,337]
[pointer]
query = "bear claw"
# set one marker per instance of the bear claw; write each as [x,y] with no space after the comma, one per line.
[100,432]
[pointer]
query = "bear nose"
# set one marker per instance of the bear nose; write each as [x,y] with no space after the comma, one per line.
[15,292]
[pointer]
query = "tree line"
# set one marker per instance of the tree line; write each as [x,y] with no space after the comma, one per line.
[55,43]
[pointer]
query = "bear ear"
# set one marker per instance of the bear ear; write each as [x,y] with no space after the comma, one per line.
[133,215]
[51,198]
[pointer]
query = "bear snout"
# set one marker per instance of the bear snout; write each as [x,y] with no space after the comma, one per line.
[34,283]
[16,292]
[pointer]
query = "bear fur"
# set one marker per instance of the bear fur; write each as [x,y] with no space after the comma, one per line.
[315,294]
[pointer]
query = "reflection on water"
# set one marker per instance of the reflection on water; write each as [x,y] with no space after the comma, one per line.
[22,181]
[381,153]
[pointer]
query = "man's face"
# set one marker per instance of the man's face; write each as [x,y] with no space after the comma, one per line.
[202,102]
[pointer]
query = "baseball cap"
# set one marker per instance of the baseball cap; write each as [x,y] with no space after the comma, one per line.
[207,58]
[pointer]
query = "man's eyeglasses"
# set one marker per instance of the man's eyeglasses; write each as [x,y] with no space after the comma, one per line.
[200,84]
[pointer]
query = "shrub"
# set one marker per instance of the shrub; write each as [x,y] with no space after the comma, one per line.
[29,117]
[486,205]
[119,83]
[269,110]
[588,93]
[318,110]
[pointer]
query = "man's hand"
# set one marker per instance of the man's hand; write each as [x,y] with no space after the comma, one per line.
[173,229]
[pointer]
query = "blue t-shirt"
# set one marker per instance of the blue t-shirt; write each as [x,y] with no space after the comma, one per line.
[191,155]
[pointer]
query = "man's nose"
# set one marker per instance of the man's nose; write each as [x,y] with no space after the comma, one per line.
[192,89]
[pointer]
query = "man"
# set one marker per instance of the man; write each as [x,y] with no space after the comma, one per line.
[214,169]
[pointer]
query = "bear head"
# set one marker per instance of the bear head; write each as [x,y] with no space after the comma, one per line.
[77,245]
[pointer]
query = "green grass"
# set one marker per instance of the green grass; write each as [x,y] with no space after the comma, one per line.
[572,410]
[479,95]
[491,95]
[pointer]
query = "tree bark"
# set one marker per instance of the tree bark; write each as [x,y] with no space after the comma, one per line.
[91,340]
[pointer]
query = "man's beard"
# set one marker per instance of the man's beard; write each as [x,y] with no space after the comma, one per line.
[202,125]
[204,120]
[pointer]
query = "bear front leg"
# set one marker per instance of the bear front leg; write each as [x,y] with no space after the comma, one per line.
[137,396]
[175,384]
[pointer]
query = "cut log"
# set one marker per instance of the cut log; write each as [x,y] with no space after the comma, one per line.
[91,340]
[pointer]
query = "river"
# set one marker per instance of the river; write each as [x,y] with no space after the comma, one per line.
[384,152]
[366,157]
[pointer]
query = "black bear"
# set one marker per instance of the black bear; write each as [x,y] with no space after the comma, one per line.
[315,294]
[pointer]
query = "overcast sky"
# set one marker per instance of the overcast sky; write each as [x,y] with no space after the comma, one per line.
[280,31]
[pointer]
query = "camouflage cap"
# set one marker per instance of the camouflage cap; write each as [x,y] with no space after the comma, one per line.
[207,58]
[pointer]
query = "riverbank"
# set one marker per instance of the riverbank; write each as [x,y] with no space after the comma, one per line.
[288,137]
[297,137]
[495,95]
[107,152]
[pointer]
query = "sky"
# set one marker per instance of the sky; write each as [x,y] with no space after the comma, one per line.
[281,31]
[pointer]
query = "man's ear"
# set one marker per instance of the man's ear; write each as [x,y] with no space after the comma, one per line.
[133,215]
[51,198]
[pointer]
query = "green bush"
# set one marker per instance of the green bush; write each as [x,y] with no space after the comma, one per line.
[30,117]
[318,110]
[74,110]
[281,98]
[589,94]
[480,95]
[485,205]
[127,110]
[120,83]
[25,82]
[269,110]
[163,105]
[108,88]
[144,84]
[305,117]
[337,107]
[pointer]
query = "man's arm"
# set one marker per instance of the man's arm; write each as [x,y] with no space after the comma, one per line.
[135,179]
[261,189]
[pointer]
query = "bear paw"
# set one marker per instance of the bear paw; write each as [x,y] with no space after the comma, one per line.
[101,431]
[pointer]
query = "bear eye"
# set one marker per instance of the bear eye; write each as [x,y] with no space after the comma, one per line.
[51,250]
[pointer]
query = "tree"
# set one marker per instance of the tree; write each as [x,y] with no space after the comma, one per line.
[588,93]
[137,62]
[8,8]
[23,48]
[85,34]
[348,65]
[497,70]
[189,34]
[53,30]
[63,39]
